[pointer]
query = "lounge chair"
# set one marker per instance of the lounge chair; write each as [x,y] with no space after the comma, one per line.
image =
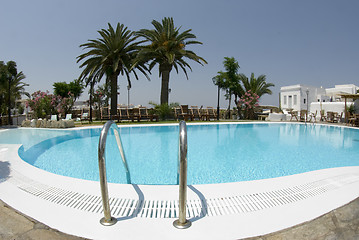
[185,113]
[141,113]
[53,117]
[68,117]
[84,116]
[144,112]
[124,114]
[196,113]
[136,114]
[105,113]
[211,114]
[177,111]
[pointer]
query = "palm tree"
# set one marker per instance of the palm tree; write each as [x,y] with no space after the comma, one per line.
[12,86]
[258,85]
[167,48]
[229,80]
[110,55]
[18,87]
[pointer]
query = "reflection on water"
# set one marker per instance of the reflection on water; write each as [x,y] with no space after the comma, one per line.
[216,153]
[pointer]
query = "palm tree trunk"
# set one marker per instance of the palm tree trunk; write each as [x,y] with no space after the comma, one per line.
[9,104]
[165,70]
[229,105]
[91,98]
[113,112]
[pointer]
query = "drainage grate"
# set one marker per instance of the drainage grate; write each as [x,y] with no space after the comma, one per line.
[128,208]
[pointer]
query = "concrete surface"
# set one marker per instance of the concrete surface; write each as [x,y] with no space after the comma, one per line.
[339,224]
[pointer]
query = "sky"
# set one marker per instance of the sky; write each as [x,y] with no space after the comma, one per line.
[311,42]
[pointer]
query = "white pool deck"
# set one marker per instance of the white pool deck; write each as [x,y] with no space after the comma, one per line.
[217,211]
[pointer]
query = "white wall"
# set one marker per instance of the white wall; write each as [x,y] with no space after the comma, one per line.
[290,103]
[338,107]
[300,92]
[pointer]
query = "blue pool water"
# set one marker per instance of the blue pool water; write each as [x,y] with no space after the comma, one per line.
[216,153]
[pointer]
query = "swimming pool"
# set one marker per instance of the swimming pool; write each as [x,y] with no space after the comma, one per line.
[217,153]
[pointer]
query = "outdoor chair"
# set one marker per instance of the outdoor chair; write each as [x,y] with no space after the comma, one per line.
[68,117]
[185,113]
[53,117]
[340,117]
[336,117]
[84,116]
[143,115]
[293,114]
[176,111]
[136,114]
[322,116]
[153,116]
[211,114]
[196,113]
[105,113]
[353,120]
[313,116]
[124,114]
[303,115]
[330,117]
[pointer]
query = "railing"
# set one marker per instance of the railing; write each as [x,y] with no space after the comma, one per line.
[107,220]
[182,222]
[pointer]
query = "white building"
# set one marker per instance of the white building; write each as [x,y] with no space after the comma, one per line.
[301,97]
[335,92]
[298,97]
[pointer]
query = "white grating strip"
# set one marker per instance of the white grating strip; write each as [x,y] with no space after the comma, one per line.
[124,207]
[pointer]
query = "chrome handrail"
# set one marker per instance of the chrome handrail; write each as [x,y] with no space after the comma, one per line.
[182,222]
[107,220]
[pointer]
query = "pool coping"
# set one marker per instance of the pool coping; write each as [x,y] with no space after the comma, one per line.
[247,217]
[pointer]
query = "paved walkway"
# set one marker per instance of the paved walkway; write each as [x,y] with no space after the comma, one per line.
[339,224]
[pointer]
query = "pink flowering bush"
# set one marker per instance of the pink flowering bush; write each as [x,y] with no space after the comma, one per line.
[247,103]
[44,104]
[99,98]
[65,104]
[41,104]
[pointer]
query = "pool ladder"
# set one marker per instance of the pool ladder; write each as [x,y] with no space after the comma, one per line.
[108,220]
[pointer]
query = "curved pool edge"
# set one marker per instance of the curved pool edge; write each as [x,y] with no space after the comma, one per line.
[231,211]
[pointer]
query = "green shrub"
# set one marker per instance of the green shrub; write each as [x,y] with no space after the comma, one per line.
[351,109]
[164,111]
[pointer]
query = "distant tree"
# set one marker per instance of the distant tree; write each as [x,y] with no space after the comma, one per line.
[259,86]
[229,80]
[252,90]
[17,88]
[64,89]
[102,95]
[167,48]
[11,85]
[110,56]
